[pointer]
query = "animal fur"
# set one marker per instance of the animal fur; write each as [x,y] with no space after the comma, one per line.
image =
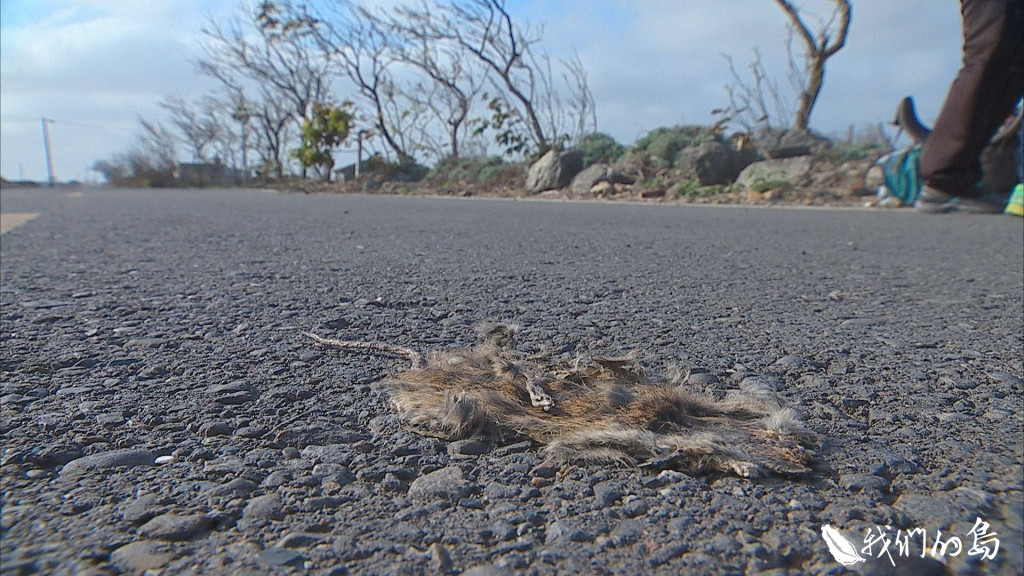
[608,410]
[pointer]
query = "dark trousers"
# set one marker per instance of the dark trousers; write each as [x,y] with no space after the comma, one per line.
[982,96]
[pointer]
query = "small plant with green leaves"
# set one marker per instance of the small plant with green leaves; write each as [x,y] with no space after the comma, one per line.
[765,184]
[664,144]
[326,129]
[599,147]
[693,189]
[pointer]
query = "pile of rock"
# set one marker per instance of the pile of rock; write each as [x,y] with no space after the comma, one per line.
[750,168]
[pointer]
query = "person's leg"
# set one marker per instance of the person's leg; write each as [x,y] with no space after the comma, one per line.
[979,100]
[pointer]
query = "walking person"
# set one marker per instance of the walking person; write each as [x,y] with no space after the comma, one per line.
[985,91]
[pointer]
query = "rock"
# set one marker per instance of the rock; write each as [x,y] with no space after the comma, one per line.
[779,144]
[70,390]
[140,556]
[602,189]
[444,484]
[250,432]
[53,455]
[276,479]
[281,557]
[176,528]
[94,462]
[110,420]
[211,429]
[892,464]
[595,174]
[861,482]
[702,379]
[488,570]
[563,530]
[440,560]
[554,170]
[607,493]
[768,172]
[142,509]
[626,532]
[793,363]
[391,483]
[635,507]
[266,507]
[712,163]
[239,487]
[469,447]
[934,511]
[299,540]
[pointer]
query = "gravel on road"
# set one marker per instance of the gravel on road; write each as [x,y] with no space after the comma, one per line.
[161,412]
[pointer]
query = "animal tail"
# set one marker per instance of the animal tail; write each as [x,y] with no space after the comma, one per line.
[381,347]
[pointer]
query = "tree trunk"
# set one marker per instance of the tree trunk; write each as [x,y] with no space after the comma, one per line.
[815,79]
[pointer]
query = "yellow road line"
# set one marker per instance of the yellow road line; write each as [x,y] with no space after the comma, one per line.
[12,220]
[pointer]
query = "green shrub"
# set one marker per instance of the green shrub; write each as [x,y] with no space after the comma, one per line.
[693,189]
[765,184]
[471,170]
[599,147]
[664,144]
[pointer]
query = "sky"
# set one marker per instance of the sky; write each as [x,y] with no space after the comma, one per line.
[95,66]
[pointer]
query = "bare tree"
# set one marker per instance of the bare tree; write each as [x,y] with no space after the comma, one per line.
[199,129]
[756,102]
[454,84]
[361,43]
[270,49]
[274,124]
[158,143]
[486,30]
[821,45]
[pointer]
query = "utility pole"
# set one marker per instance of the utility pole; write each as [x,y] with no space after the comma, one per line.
[49,153]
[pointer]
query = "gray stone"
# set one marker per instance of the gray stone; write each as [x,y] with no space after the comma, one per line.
[110,420]
[711,163]
[780,144]
[445,484]
[175,527]
[239,487]
[281,557]
[212,429]
[861,482]
[635,507]
[934,511]
[563,530]
[488,570]
[469,447]
[626,532]
[793,363]
[140,556]
[554,170]
[94,462]
[300,540]
[583,182]
[702,379]
[266,507]
[142,509]
[607,493]
[788,170]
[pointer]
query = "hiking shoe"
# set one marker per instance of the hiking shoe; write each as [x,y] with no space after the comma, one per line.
[937,202]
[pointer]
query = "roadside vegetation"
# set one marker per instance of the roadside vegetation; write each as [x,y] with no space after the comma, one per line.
[444,96]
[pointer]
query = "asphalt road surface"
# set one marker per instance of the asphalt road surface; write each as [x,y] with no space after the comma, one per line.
[167,323]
